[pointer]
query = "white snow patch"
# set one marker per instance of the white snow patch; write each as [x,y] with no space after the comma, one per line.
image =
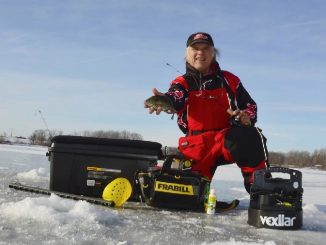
[35,175]
[54,210]
[314,217]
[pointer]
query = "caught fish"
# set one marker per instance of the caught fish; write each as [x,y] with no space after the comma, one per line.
[163,102]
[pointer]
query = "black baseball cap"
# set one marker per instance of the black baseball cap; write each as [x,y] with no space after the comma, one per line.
[200,37]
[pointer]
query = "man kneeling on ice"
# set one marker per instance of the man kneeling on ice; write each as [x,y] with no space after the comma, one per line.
[215,112]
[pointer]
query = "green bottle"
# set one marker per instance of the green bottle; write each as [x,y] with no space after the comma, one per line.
[211,204]
[206,194]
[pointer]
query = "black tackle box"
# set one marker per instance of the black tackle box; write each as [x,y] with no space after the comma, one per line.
[85,165]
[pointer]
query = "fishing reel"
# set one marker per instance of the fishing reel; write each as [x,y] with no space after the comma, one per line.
[176,162]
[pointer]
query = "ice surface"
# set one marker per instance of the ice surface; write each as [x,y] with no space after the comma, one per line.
[27,218]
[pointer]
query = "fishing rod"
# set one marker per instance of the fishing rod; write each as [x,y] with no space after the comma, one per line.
[173,67]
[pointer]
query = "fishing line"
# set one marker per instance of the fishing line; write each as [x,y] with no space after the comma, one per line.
[173,67]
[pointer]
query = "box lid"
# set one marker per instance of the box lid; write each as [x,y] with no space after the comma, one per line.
[87,145]
[105,141]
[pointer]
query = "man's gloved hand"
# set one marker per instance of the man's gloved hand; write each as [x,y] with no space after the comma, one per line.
[239,117]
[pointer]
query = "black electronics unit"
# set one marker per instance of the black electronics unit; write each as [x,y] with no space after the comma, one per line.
[275,202]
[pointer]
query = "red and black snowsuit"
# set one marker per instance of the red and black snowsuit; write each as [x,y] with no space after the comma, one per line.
[211,140]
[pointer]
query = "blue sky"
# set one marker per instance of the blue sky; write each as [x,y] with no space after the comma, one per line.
[89,65]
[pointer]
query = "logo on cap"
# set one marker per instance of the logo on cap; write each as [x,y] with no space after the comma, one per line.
[200,36]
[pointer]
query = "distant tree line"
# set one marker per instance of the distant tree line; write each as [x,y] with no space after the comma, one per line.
[111,134]
[43,137]
[299,159]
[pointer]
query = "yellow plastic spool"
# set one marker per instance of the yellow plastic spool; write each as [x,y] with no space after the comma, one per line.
[286,204]
[117,191]
[187,164]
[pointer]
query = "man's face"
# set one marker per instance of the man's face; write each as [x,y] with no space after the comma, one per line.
[200,56]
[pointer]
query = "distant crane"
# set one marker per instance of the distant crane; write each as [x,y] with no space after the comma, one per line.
[46,125]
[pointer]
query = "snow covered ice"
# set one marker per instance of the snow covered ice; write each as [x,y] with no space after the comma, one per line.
[27,218]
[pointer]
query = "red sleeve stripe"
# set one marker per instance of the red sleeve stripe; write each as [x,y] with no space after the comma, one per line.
[182,81]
